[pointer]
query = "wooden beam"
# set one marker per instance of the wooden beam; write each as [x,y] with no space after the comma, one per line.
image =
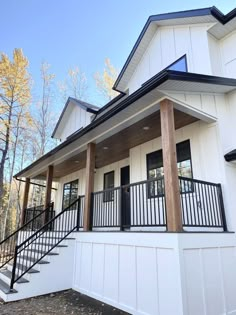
[25,200]
[47,199]
[89,184]
[172,190]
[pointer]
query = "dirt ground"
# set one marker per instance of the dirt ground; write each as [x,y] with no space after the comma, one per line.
[62,303]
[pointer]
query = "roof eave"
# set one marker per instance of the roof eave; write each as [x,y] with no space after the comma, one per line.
[156,81]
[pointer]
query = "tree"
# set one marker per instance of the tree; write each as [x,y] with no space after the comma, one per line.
[43,117]
[105,81]
[14,99]
[74,85]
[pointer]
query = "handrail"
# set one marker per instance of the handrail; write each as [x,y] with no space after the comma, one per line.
[44,240]
[7,245]
[23,226]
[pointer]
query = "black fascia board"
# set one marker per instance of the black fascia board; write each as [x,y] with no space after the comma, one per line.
[231,156]
[223,19]
[151,84]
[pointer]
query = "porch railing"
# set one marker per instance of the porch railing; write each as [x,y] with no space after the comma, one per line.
[35,211]
[135,205]
[202,204]
[7,246]
[142,204]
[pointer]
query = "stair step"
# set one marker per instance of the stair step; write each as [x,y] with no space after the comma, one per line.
[5,288]
[57,238]
[22,267]
[29,258]
[41,252]
[7,273]
[48,244]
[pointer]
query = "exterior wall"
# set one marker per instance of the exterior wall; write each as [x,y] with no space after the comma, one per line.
[169,44]
[76,119]
[228,53]
[215,56]
[156,273]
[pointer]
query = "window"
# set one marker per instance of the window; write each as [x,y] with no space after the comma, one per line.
[108,184]
[70,193]
[155,168]
[179,65]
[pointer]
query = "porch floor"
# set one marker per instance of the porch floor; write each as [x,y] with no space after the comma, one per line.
[61,303]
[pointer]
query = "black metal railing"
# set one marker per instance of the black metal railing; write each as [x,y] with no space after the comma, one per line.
[134,205]
[33,249]
[142,204]
[31,213]
[202,204]
[7,246]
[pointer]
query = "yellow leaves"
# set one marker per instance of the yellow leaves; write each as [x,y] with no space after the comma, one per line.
[106,80]
[14,78]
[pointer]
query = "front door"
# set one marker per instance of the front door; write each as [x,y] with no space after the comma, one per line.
[125,200]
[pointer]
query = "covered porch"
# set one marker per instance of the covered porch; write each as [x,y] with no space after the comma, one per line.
[161,203]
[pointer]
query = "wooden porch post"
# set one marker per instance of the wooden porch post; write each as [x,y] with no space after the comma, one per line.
[172,190]
[25,200]
[89,184]
[48,190]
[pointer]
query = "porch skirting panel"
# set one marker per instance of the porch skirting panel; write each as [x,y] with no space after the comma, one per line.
[158,273]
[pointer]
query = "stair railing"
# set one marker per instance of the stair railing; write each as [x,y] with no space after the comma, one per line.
[7,246]
[33,249]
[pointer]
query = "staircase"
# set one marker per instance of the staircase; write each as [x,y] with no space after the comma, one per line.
[40,259]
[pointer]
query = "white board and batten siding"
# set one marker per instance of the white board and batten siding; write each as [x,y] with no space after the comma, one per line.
[155,273]
[169,44]
[75,119]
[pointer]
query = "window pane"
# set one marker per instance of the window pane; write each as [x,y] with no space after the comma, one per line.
[70,193]
[108,183]
[155,168]
[179,65]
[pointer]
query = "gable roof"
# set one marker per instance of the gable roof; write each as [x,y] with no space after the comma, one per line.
[71,100]
[206,15]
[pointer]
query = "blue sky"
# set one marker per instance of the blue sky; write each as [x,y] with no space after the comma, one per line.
[66,33]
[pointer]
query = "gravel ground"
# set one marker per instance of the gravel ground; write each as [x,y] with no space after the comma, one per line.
[62,303]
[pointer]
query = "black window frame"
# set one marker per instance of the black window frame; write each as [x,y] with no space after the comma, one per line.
[176,62]
[108,195]
[63,194]
[190,187]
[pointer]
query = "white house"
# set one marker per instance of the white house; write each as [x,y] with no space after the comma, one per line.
[145,207]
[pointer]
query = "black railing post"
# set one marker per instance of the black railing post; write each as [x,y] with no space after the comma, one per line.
[91,212]
[222,207]
[78,214]
[120,209]
[13,269]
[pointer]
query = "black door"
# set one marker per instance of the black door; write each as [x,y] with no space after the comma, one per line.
[125,198]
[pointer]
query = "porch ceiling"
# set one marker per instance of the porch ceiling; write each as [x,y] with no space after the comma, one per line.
[117,146]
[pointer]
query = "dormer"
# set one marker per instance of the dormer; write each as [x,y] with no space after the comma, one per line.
[166,38]
[75,116]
